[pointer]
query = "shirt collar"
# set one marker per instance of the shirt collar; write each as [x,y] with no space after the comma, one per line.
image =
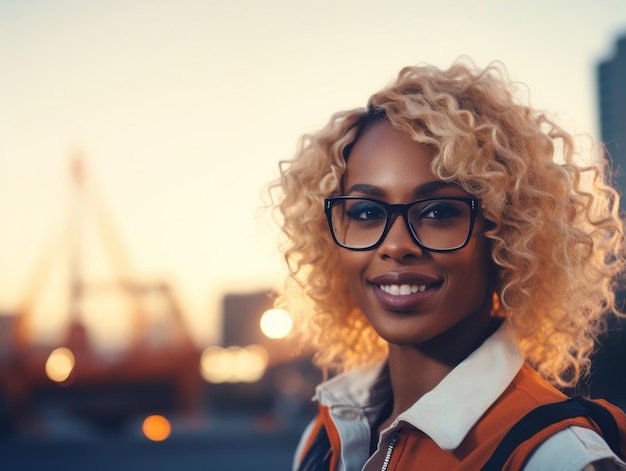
[450,410]
[361,387]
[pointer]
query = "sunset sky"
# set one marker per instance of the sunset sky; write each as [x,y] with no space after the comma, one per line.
[183,109]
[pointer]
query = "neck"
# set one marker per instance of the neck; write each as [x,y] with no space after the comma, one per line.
[415,370]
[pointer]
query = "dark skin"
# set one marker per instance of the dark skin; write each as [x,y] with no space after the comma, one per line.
[433,330]
[432,363]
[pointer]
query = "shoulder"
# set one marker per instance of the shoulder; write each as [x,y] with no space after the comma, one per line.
[529,384]
[525,393]
[584,450]
[566,435]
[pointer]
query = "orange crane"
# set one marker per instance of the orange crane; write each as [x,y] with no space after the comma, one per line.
[150,376]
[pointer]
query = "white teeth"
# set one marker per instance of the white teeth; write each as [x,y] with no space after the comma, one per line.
[402,290]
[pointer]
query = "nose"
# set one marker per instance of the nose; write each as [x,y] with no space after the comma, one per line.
[398,244]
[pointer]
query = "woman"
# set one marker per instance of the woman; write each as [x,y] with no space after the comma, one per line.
[453,272]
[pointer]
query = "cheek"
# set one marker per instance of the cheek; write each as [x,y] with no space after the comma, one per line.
[353,264]
[474,269]
[470,266]
[485,264]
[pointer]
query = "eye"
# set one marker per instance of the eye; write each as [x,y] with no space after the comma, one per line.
[364,211]
[441,210]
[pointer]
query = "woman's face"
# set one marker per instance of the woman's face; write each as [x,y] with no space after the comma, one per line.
[411,295]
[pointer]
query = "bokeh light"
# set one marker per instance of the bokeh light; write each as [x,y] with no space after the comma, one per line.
[156,428]
[251,362]
[276,323]
[60,364]
[234,364]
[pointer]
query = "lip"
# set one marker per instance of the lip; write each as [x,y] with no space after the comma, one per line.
[390,299]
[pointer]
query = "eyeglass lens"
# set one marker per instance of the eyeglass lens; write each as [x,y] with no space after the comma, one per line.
[439,224]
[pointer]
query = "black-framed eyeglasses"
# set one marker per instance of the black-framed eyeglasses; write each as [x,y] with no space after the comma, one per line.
[440,224]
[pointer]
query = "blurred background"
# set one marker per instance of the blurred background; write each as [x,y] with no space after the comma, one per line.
[137,265]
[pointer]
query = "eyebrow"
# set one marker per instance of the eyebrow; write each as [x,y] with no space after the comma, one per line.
[425,189]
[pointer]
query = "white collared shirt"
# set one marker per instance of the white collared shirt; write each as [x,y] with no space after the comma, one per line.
[449,411]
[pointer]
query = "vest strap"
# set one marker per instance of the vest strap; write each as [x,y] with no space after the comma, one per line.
[548,414]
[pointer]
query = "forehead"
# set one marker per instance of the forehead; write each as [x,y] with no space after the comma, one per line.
[385,157]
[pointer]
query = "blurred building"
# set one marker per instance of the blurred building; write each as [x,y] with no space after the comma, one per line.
[608,378]
[611,75]
[242,316]
[259,369]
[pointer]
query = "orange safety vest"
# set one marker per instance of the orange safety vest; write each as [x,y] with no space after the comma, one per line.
[412,447]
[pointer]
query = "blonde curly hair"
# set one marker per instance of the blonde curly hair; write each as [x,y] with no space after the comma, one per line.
[556,236]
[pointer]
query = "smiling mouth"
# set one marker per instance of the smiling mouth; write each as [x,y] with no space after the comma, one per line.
[403,290]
